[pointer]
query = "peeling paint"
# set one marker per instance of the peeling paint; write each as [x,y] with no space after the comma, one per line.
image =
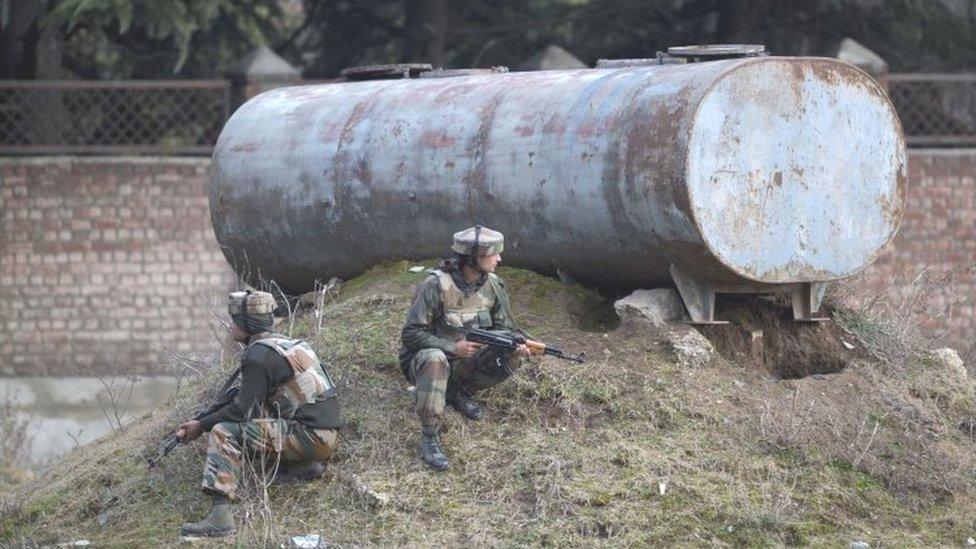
[746,170]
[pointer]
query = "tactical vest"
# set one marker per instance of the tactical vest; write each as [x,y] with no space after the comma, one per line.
[460,313]
[311,382]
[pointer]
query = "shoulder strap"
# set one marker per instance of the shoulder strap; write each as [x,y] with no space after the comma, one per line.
[278,343]
[446,281]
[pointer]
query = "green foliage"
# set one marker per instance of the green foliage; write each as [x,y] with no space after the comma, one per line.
[200,38]
[153,38]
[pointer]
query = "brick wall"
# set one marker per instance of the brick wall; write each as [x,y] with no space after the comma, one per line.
[106,262]
[110,261]
[938,235]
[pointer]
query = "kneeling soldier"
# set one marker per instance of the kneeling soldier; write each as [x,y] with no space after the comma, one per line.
[463,293]
[286,409]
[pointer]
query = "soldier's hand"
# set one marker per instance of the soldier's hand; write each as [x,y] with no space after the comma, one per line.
[189,431]
[523,350]
[466,349]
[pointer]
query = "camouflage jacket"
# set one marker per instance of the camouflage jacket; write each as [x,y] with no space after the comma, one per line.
[429,324]
[263,371]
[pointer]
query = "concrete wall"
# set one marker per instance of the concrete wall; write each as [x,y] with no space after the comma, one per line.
[111,261]
[105,261]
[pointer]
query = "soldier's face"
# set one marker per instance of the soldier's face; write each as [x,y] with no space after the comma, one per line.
[487,263]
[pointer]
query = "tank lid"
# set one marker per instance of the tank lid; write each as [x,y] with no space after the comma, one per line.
[713,52]
[447,73]
[661,59]
[379,72]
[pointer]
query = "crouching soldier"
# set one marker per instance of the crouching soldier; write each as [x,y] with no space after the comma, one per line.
[463,293]
[286,410]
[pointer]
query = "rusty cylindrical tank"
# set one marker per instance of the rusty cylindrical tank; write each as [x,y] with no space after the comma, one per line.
[740,173]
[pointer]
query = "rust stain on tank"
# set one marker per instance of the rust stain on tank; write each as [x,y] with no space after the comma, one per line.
[475,181]
[363,173]
[555,124]
[590,129]
[437,140]
[248,146]
[330,132]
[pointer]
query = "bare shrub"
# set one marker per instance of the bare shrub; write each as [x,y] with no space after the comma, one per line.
[14,435]
[256,519]
[801,424]
[785,425]
[114,399]
[886,322]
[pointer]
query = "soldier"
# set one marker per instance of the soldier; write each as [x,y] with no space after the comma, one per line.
[462,293]
[286,410]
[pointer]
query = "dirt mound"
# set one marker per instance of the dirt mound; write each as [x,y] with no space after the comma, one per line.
[631,448]
[763,333]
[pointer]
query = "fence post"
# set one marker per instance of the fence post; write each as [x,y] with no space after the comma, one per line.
[260,71]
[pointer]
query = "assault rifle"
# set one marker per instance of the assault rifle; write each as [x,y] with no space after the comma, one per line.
[227,394]
[508,340]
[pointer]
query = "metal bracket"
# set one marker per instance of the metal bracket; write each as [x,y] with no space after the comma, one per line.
[807,298]
[699,297]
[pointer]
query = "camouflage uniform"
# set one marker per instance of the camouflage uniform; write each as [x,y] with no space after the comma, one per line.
[289,440]
[287,409]
[444,308]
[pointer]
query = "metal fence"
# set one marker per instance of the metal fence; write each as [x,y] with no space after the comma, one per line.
[185,117]
[935,109]
[116,117]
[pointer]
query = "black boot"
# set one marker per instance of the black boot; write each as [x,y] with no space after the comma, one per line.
[460,401]
[298,472]
[220,521]
[431,450]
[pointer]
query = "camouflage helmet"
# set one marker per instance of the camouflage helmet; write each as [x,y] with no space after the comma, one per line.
[252,311]
[478,240]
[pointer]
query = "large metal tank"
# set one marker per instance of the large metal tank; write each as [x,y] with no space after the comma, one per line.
[738,175]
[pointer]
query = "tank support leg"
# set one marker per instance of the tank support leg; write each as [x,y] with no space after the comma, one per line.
[699,297]
[806,299]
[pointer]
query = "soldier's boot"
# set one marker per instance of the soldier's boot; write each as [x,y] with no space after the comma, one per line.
[220,521]
[431,449]
[459,399]
[297,472]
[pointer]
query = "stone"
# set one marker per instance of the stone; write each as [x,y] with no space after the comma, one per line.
[943,378]
[371,497]
[857,54]
[860,545]
[655,307]
[690,347]
[552,57]
[970,542]
[417,269]
[263,64]
[949,361]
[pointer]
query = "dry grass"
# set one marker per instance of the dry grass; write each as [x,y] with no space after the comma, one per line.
[629,449]
[887,322]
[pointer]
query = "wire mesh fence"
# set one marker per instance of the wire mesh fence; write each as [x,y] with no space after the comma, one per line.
[175,117]
[185,117]
[935,109]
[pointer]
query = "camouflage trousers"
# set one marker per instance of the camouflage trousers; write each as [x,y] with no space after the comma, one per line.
[263,440]
[434,376]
